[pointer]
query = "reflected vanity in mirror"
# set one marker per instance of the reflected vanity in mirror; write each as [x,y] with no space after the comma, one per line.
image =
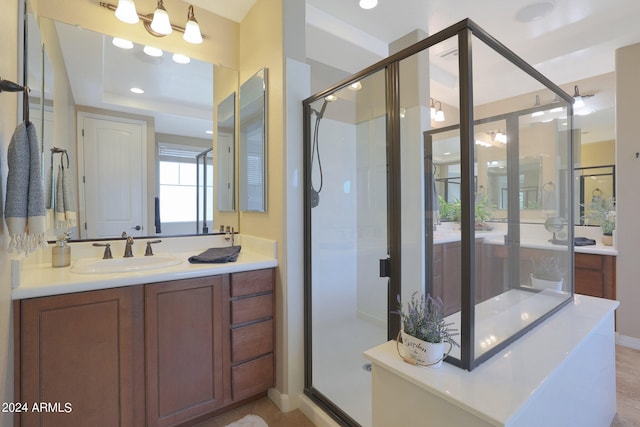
[253,143]
[172,120]
[226,154]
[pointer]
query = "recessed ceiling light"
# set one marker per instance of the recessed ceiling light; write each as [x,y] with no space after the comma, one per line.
[152,51]
[534,11]
[136,90]
[122,43]
[181,59]
[368,4]
[355,86]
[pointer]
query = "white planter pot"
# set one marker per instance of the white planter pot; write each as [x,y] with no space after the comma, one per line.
[422,353]
[546,284]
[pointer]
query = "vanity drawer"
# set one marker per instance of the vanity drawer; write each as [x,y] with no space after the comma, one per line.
[251,309]
[251,341]
[252,377]
[251,282]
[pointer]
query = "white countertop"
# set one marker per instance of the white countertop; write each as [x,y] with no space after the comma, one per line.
[40,279]
[500,387]
[532,236]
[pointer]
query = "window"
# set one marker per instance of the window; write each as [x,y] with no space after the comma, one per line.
[178,179]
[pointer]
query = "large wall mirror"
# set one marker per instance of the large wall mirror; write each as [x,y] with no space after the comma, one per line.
[134,128]
[253,143]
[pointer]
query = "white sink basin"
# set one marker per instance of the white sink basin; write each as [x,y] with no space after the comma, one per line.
[123,265]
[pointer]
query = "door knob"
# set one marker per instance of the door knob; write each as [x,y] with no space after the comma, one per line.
[137,227]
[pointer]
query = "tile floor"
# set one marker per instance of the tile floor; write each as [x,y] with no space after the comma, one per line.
[628,397]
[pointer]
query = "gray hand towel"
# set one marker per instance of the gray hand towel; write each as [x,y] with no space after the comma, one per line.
[24,204]
[217,255]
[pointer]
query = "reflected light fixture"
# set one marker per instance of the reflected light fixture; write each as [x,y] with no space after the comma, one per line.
[501,137]
[152,51]
[330,98]
[439,117]
[537,105]
[157,24]
[136,90]
[368,4]
[355,86]
[180,58]
[578,101]
[126,12]
[192,28]
[122,43]
[160,23]
[432,107]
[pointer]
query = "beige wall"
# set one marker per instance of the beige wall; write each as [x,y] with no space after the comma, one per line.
[8,120]
[628,202]
[262,45]
[598,154]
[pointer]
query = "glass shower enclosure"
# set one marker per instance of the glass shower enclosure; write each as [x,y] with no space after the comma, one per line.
[445,169]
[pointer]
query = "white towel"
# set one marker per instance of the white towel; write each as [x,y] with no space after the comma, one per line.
[65,214]
[24,203]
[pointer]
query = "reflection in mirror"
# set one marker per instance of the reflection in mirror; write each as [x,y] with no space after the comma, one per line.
[226,153]
[94,78]
[253,143]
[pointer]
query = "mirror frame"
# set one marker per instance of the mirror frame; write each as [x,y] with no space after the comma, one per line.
[247,99]
[226,113]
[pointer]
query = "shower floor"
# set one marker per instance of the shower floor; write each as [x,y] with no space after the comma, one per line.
[339,373]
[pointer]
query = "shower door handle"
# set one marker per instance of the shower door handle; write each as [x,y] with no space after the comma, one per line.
[385,267]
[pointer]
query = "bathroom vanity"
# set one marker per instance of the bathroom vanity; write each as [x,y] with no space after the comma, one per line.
[161,348]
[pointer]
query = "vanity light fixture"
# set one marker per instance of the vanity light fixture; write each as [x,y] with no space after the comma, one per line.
[368,4]
[538,105]
[355,86]
[330,98]
[180,58]
[122,43]
[160,23]
[126,12]
[157,24]
[432,107]
[192,28]
[501,137]
[439,117]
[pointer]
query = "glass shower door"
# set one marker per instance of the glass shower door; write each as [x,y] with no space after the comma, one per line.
[348,224]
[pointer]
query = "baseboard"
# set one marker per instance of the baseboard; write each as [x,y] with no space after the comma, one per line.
[283,401]
[317,416]
[628,341]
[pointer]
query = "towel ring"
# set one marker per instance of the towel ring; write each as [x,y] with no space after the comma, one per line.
[549,186]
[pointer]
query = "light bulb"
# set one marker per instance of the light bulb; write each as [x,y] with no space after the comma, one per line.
[126,12]
[161,23]
[192,29]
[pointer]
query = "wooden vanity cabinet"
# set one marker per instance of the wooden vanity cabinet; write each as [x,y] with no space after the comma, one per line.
[249,361]
[183,349]
[595,275]
[81,355]
[159,354]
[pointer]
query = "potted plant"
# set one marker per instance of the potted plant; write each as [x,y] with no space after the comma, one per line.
[602,212]
[547,273]
[452,211]
[424,331]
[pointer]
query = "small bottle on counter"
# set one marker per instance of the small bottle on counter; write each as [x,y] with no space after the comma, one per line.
[61,252]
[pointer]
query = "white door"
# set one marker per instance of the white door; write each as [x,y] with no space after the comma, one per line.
[114,175]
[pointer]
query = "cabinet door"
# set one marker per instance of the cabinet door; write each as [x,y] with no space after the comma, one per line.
[183,343]
[80,359]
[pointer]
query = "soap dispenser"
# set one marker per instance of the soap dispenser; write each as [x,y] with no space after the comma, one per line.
[61,252]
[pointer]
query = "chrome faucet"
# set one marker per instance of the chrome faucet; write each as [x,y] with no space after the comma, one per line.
[128,253]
